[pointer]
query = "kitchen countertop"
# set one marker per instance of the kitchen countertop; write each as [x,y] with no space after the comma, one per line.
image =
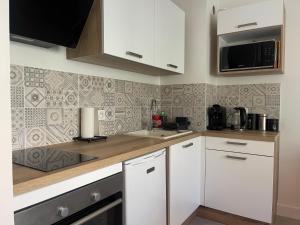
[114,150]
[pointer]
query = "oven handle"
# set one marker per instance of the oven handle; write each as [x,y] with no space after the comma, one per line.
[97,213]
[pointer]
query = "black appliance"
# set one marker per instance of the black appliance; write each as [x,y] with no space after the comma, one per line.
[273,125]
[256,55]
[216,118]
[46,159]
[48,23]
[183,123]
[252,123]
[96,203]
[239,119]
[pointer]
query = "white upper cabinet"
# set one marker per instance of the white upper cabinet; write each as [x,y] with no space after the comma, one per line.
[128,29]
[169,36]
[260,15]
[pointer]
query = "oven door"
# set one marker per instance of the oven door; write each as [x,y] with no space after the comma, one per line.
[106,212]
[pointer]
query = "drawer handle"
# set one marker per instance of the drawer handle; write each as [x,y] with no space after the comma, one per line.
[247,25]
[150,170]
[236,143]
[172,66]
[236,157]
[188,145]
[134,54]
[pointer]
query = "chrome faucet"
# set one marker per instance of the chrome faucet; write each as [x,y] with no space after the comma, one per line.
[153,108]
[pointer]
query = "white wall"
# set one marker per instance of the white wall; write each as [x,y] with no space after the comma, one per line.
[289,179]
[55,59]
[6,210]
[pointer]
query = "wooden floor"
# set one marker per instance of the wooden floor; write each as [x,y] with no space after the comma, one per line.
[279,221]
[207,216]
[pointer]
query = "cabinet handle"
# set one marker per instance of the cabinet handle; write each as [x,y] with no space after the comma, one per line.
[172,66]
[150,170]
[247,25]
[188,145]
[134,54]
[236,157]
[236,143]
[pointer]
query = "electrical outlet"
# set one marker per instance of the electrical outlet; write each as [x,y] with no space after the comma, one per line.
[101,115]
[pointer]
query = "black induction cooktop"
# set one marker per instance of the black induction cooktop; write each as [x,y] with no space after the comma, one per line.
[47,159]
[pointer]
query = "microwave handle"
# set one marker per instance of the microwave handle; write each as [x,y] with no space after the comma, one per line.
[247,25]
[97,213]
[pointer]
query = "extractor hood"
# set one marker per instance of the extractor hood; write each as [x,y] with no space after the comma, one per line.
[47,23]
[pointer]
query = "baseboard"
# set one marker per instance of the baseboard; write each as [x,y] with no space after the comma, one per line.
[288,211]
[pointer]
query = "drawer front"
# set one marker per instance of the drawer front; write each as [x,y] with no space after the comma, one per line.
[240,146]
[240,184]
[259,15]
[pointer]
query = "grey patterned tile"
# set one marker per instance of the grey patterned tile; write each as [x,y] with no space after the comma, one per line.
[188,112]
[17,96]
[228,90]
[178,100]
[178,89]
[128,87]
[108,99]
[71,116]
[166,91]
[54,98]
[156,92]
[70,98]
[273,89]
[90,91]
[188,100]
[17,118]
[35,97]
[177,112]
[109,85]
[198,121]
[120,126]
[120,86]
[61,80]
[35,117]
[35,137]
[109,113]
[34,77]
[107,128]
[61,133]
[120,99]
[54,117]
[18,138]
[16,76]
[199,89]
[120,112]
[188,89]
[273,100]
[132,100]
[252,89]
[259,101]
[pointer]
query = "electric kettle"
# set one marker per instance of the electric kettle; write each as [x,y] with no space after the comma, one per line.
[239,119]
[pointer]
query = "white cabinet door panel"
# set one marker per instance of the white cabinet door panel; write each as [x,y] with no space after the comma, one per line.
[184,180]
[240,184]
[259,15]
[169,36]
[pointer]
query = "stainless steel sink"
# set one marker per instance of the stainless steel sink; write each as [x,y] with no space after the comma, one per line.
[157,133]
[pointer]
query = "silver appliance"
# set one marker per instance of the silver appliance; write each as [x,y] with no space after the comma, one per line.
[99,203]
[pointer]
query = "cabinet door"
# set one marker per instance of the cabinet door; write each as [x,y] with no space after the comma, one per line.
[259,15]
[184,180]
[169,36]
[240,184]
[128,29]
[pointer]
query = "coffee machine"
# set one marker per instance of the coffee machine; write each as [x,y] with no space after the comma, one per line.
[216,117]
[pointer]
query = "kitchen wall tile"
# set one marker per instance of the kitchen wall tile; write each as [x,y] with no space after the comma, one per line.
[16,76]
[35,117]
[272,89]
[35,97]
[228,90]
[273,100]
[109,85]
[17,96]
[18,118]
[259,101]
[120,86]
[54,98]
[56,134]
[54,117]
[71,116]
[18,138]
[90,91]
[34,77]
[128,87]
[35,137]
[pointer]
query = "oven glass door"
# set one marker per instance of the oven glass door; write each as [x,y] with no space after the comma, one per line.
[106,212]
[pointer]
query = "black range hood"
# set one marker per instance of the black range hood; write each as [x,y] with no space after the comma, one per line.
[47,23]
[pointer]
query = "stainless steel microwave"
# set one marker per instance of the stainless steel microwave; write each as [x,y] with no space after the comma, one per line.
[249,56]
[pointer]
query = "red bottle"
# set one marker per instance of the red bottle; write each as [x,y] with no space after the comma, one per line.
[156,121]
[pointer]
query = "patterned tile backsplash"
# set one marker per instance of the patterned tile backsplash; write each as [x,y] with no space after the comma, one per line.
[45,103]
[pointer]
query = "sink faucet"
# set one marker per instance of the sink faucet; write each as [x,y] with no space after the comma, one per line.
[153,108]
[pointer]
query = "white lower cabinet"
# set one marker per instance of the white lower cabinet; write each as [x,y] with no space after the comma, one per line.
[239,183]
[184,180]
[145,190]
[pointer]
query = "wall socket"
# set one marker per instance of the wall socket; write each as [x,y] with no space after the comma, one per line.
[101,115]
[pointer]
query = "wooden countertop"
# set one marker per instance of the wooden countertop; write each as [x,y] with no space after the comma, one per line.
[114,150]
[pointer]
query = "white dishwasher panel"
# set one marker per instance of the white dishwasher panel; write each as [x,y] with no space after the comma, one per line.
[145,190]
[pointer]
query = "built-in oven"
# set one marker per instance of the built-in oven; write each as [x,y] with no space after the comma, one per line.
[99,203]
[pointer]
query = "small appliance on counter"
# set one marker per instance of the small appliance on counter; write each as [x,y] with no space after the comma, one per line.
[239,119]
[273,125]
[252,121]
[183,123]
[216,118]
[262,122]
